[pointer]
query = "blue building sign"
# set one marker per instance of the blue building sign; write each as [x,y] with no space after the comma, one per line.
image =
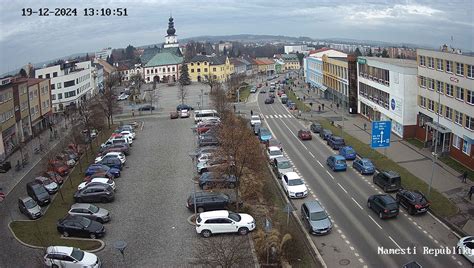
[381,134]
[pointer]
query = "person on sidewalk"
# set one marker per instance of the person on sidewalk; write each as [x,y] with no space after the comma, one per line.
[319,108]
[337,105]
[251,112]
[365,126]
[471,191]
[323,106]
[464,177]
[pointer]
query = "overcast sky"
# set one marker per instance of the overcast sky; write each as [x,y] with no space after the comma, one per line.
[35,39]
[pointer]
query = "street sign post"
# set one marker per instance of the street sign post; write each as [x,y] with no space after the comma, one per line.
[381,134]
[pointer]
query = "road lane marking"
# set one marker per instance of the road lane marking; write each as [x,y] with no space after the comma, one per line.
[394,242]
[343,236]
[342,187]
[356,254]
[357,203]
[361,260]
[376,222]
[460,263]
[352,248]
[330,175]
[310,153]
[347,242]
[339,231]
[281,116]
[319,163]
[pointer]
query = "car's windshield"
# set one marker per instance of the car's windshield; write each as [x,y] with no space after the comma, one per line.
[349,151]
[366,163]
[340,162]
[85,221]
[317,216]
[295,182]
[234,216]
[264,132]
[30,203]
[275,152]
[284,164]
[77,254]
[93,209]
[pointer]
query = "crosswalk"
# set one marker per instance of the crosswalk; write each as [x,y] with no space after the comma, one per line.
[276,116]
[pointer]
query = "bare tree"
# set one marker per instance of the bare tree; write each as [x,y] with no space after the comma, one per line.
[90,116]
[234,82]
[138,80]
[219,100]
[182,93]
[223,252]
[108,101]
[212,82]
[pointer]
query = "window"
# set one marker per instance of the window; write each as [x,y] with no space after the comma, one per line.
[198,70]
[430,105]
[466,148]
[449,66]
[192,64]
[458,117]
[459,68]
[40,76]
[205,70]
[60,96]
[469,122]
[199,63]
[423,102]
[48,76]
[214,69]
[430,62]
[439,87]
[422,61]
[431,84]
[470,71]
[470,97]
[439,64]
[53,96]
[439,108]
[449,89]
[456,141]
[52,86]
[459,93]
[449,113]
[192,70]
[423,81]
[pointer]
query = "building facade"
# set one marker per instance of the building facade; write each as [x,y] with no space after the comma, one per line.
[71,82]
[445,118]
[39,101]
[104,53]
[203,67]
[295,48]
[291,62]
[386,90]
[314,74]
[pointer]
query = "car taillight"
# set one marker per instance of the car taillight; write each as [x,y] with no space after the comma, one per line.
[418,206]
[385,211]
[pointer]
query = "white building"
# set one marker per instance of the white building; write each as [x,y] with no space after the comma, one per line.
[70,83]
[104,53]
[295,48]
[386,92]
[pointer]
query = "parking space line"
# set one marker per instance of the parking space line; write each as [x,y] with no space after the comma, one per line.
[361,260]
[357,203]
[376,223]
[460,263]
[395,242]
[330,175]
[310,153]
[342,187]
[356,254]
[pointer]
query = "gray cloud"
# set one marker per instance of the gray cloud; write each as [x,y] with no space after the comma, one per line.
[34,39]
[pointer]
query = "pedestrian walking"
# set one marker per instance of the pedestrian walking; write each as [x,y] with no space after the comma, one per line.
[464,177]
[330,105]
[235,108]
[251,112]
[365,126]
[471,191]
[304,98]
[323,106]
[319,108]
[337,105]
[133,113]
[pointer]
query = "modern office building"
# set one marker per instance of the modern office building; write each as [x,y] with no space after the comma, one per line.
[71,82]
[295,48]
[445,118]
[386,92]
[104,53]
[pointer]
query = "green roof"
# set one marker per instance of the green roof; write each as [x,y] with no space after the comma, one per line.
[164,58]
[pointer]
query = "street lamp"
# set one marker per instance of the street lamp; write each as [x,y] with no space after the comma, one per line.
[435,139]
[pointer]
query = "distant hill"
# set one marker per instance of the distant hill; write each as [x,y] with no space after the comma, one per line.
[248,38]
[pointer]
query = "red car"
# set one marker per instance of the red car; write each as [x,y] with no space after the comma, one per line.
[54,176]
[174,115]
[304,134]
[58,167]
[77,149]
[202,128]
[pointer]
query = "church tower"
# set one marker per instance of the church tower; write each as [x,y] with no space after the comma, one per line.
[171,40]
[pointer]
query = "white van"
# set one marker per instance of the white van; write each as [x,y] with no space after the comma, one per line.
[201,115]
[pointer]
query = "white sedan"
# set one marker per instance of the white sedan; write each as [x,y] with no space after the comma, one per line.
[107,181]
[255,119]
[59,256]
[274,152]
[465,247]
[118,155]
[129,134]
[294,186]
[184,113]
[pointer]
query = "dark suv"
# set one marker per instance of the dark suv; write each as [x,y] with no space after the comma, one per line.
[37,191]
[212,180]
[336,142]
[384,205]
[95,193]
[325,133]
[414,201]
[208,201]
[316,127]
[388,180]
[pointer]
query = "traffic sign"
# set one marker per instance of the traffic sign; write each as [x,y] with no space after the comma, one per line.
[381,134]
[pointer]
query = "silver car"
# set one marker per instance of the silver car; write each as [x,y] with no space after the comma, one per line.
[315,218]
[282,166]
[90,211]
[29,207]
[51,186]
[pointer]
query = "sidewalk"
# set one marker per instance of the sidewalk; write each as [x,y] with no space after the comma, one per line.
[418,162]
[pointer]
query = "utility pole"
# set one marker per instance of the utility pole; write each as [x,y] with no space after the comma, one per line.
[435,139]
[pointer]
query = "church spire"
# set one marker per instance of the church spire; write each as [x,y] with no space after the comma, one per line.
[171,40]
[171,30]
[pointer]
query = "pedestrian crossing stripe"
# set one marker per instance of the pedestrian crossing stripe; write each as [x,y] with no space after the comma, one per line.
[276,116]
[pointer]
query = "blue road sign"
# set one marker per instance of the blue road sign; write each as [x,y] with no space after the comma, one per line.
[381,134]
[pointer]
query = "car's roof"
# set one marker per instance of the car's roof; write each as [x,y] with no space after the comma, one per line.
[208,194]
[292,175]
[387,197]
[339,157]
[256,116]
[391,173]
[59,249]
[214,214]
[80,205]
[281,159]
[313,206]
[25,199]
[274,148]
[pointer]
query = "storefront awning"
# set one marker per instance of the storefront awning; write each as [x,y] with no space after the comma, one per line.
[438,127]
[468,139]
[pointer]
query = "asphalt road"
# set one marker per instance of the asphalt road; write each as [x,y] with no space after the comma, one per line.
[358,232]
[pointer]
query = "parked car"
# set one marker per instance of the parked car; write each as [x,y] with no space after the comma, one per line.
[269,100]
[59,256]
[95,193]
[58,167]
[54,176]
[224,221]
[273,152]
[90,211]
[204,127]
[413,201]
[123,148]
[115,155]
[284,99]
[256,128]
[212,180]
[50,186]
[106,181]
[336,163]
[294,186]
[253,89]
[206,201]
[99,174]
[335,142]
[388,180]
[112,162]
[282,166]
[384,205]
[255,119]
[316,127]
[207,141]
[264,134]
[184,107]
[205,150]
[80,226]
[29,207]
[202,158]
[325,133]
[263,90]
[94,168]
[364,166]
[315,218]
[184,113]
[66,159]
[146,108]
[37,191]
[129,133]
[304,134]
[465,247]
[348,152]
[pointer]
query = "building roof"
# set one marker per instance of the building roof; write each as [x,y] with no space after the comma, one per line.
[237,62]
[164,58]
[150,52]
[263,61]
[107,67]
[289,57]
[339,58]
[398,62]
[213,60]
[34,81]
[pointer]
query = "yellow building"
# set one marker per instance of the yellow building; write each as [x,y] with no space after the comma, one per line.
[201,67]
[291,61]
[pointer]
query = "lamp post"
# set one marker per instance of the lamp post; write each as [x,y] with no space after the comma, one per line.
[435,139]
